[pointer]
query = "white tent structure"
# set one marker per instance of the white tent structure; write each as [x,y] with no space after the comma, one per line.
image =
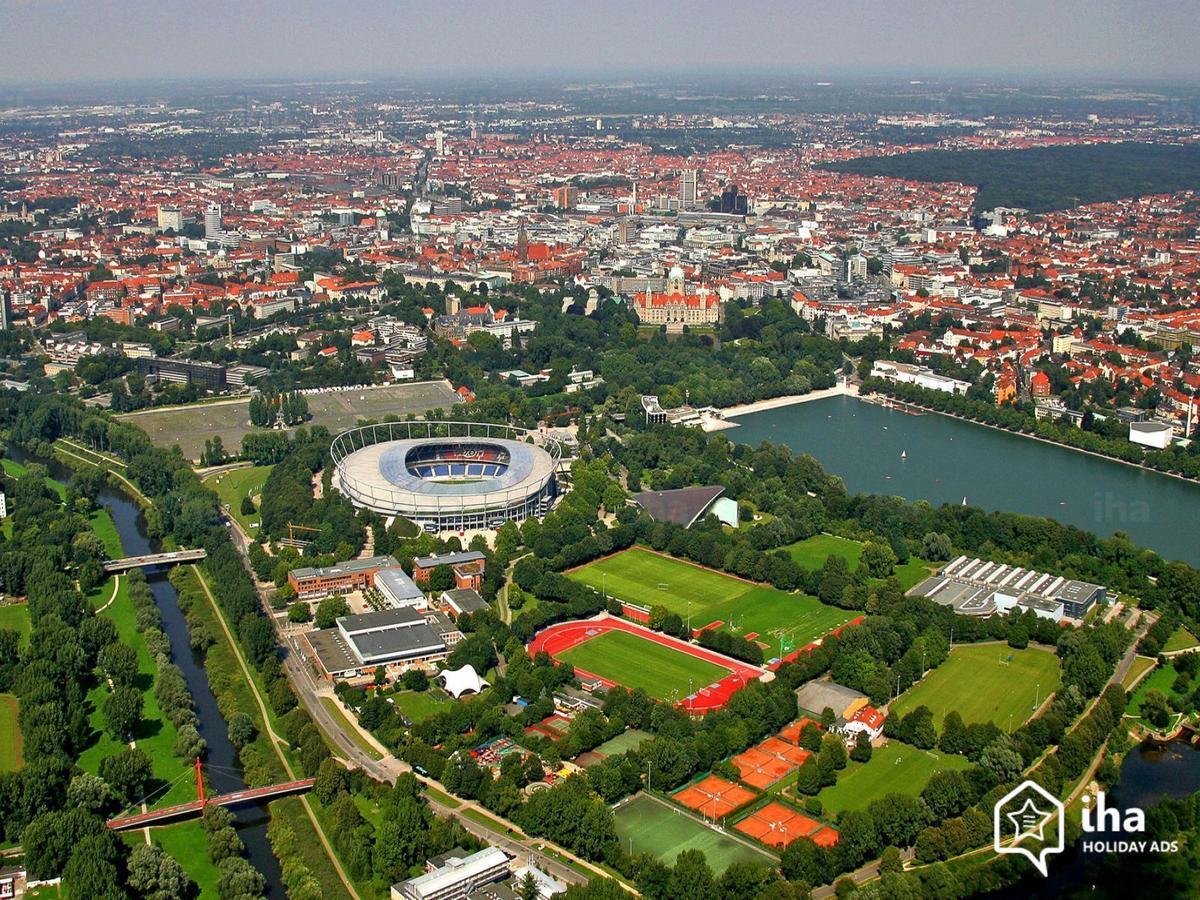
[461,681]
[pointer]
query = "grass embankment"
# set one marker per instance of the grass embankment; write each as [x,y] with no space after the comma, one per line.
[1182,639]
[11,757]
[353,733]
[263,759]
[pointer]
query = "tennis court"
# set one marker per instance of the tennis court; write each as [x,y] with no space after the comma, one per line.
[646,824]
[777,825]
[714,797]
[767,763]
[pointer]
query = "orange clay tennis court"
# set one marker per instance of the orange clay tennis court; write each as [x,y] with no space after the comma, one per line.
[714,797]
[792,733]
[777,826]
[767,763]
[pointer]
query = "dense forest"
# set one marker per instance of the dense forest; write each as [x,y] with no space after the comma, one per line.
[1042,179]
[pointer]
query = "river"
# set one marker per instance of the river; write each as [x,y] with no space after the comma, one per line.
[222,760]
[947,459]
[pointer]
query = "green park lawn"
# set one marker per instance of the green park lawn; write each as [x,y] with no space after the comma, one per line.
[635,662]
[156,735]
[981,683]
[812,553]
[186,842]
[10,734]
[649,825]
[894,768]
[15,617]
[1160,679]
[649,579]
[422,705]
[1181,640]
[232,486]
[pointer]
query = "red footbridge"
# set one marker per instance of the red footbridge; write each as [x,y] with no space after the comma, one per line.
[195,808]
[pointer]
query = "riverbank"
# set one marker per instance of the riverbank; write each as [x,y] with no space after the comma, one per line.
[1037,437]
[841,389]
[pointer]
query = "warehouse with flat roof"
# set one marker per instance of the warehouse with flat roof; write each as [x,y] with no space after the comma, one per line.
[359,644]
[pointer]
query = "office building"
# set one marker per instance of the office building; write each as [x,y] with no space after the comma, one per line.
[398,590]
[170,218]
[468,568]
[566,197]
[210,376]
[687,189]
[456,877]
[312,583]
[212,222]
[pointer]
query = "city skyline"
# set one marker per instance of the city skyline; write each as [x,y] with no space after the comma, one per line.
[222,40]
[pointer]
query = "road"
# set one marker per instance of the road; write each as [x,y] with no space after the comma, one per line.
[310,689]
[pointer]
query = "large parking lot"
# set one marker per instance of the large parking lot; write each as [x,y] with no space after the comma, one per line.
[190,426]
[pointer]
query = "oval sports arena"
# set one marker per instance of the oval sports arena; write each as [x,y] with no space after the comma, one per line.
[447,476]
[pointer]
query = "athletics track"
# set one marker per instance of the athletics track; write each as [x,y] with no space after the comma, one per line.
[562,637]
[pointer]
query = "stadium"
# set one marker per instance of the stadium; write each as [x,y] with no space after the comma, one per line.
[447,476]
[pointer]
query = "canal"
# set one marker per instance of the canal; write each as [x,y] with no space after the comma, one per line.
[944,460]
[225,772]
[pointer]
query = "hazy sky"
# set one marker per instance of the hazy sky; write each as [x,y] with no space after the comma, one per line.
[85,40]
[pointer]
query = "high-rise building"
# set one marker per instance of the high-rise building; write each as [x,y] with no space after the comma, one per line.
[687,189]
[212,222]
[733,201]
[5,310]
[855,268]
[439,142]
[170,218]
[566,197]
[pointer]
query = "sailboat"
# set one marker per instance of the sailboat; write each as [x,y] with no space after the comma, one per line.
[904,454]
[964,501]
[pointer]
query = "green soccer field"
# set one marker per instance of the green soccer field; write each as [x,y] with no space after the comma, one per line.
[635,662]
[10,734]
[812,553]
[626,740]
[648,825]
[894,768]
[648,579]
[979,682]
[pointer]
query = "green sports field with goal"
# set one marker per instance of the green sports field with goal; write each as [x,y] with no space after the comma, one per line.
[985,683]
[636,662]
[646,578]
[649,825]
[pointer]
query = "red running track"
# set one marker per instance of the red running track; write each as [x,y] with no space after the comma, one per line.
[562,637]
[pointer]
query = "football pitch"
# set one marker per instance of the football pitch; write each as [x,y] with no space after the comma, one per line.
[646,578]
[635,662]
[648,825]
[985,683]
[894,768]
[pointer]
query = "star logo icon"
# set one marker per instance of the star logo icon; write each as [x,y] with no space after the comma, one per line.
[1030,808]
[1028,821]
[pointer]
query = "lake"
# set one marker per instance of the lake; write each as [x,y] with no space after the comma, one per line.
[947,459]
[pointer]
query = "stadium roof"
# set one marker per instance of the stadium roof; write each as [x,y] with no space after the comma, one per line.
[683,506]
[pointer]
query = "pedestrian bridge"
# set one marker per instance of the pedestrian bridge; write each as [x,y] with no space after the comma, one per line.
[195,808]
[153,559]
